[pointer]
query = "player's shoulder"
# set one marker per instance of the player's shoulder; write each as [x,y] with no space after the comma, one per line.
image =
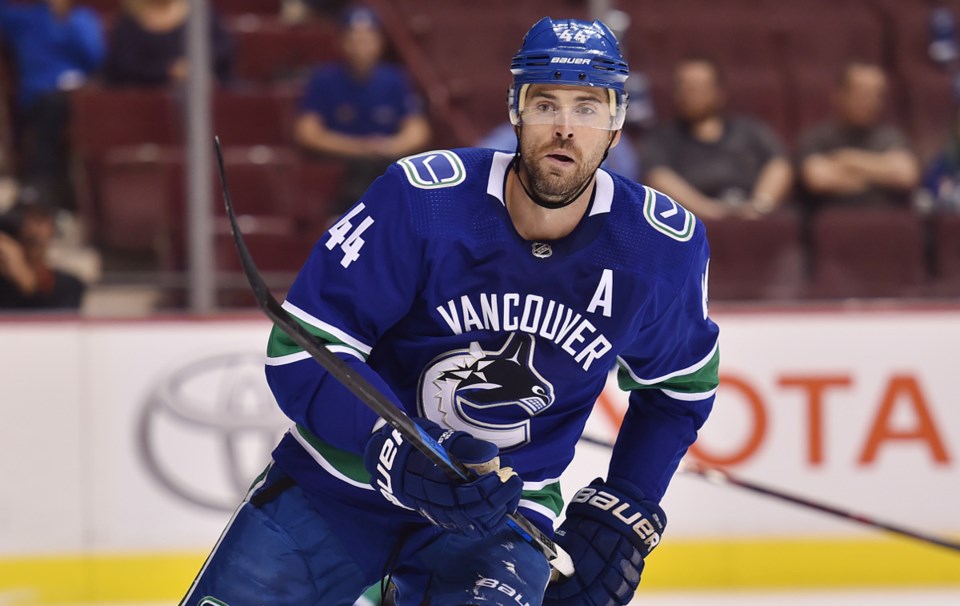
[443,189]
[650,235]
[659,216]
[446,169]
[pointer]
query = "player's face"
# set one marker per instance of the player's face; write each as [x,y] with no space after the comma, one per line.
[559,157]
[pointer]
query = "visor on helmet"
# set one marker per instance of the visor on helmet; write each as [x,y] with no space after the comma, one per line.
[588,112]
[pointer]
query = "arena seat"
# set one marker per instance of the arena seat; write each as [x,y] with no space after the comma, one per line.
[262,181]
[139,187]
[143,197]
[946,252]
[241,7]
[253,117]
[759,259]
[909,34]
[864,252]
[269,51]
[816,34]
[105,119]
[317,184]
[733,37]
[931,109]
[277,251]
[483,97]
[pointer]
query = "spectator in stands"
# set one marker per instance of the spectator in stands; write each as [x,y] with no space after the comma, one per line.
[855,159]
[719,164]
[55,48]
[360,110]
[147,45]
[26,280]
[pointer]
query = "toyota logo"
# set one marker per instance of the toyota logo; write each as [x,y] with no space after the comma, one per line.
[219,412]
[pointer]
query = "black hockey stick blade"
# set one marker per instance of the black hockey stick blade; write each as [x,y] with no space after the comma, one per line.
[367,393]
[715,475]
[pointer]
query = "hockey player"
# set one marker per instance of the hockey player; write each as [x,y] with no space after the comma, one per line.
[488,295]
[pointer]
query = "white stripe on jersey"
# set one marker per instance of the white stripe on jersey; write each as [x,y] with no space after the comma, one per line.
[303,355]
[537,507]
[540,484]
[689,397]
[677,373]
[324,463]
[327,328]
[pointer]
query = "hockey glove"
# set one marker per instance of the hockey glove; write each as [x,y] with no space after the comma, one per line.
[405,477]
[608,531]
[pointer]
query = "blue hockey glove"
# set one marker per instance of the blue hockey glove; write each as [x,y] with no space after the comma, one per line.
[405,477]
[608,532]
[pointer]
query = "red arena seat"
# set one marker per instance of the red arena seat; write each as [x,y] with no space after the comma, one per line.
[862,252]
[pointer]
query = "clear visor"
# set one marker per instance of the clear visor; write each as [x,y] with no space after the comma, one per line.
[586,112]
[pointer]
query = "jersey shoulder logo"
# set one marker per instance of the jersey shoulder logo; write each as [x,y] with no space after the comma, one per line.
[666,216]
[434,169]
[489,394]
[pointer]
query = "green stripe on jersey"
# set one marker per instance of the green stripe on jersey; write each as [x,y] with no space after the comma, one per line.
[347,463]
[549,496]
[704,379]
[280,343]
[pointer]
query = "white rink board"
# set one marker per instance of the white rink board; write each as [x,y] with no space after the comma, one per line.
[81,397]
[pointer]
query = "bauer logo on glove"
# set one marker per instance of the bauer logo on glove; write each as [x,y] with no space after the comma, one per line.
[646,528]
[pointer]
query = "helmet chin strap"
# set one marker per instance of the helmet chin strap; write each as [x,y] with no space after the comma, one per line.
[539,201]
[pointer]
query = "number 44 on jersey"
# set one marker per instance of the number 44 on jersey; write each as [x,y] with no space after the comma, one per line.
[348,237]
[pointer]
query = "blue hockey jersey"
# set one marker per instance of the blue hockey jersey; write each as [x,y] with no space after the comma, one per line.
[426,289]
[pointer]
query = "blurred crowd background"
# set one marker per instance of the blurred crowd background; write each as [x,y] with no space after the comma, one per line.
[819,140]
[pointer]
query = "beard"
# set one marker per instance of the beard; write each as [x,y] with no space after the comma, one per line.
[551,183]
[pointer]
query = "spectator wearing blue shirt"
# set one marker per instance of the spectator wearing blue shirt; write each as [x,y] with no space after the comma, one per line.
[55,48]
[361,110]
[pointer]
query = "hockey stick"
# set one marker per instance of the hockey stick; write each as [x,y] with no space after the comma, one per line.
[367,393]
[718,476]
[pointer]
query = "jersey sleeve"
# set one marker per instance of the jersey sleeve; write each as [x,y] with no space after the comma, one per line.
[671,372]
[359,280]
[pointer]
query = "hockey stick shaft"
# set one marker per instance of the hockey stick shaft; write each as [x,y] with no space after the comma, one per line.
[718,476]
[364,391]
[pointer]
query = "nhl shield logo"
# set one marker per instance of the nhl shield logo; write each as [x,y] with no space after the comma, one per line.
[541,250]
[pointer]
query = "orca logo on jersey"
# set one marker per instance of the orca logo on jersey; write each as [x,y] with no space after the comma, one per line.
[489,394]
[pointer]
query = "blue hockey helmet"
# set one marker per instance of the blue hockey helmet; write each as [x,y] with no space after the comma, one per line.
[570,52]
